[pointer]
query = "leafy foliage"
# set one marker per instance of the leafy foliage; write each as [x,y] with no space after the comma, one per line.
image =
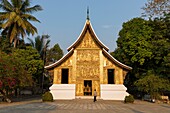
[12,73]
[145,45]
[47,97]
[16,17]
[31,61]
[54,54]
[129,99]
[41,44]
[4,44]
[19,68]
[152,84]
[134,40]
[161,46]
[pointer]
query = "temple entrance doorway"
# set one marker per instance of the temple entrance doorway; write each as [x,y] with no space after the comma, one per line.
[87,87]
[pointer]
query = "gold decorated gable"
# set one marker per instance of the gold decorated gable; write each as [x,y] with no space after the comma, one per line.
[68,62]
[87,41]
[88,60]
[88,63]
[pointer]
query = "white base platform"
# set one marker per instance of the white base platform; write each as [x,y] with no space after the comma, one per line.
[113,92]
[108,92]
[63,91]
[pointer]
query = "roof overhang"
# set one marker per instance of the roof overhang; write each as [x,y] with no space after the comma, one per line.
[116,61]
[51,66]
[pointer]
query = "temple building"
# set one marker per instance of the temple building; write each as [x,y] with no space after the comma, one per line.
[88,66]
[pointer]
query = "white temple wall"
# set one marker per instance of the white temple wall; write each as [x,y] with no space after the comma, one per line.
[63,91]
[113,92]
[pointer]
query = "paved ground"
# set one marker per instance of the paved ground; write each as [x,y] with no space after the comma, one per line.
[83,106]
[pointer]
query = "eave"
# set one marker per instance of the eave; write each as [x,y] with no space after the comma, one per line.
[51,66]
[116,61]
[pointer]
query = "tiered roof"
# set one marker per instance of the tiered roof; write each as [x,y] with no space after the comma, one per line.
[104,48]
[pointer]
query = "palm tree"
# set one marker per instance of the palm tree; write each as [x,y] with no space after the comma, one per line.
[16,17]
[41,43]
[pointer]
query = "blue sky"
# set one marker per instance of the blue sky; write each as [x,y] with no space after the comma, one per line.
[63,20]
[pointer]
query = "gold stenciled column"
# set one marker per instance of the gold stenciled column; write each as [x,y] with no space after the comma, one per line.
[55,77]
[121,76]
[74,64]
[116,77]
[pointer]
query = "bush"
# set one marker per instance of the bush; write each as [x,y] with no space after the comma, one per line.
[129,99]
[47,96]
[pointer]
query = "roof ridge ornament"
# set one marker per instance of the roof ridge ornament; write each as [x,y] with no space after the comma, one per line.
[88,18]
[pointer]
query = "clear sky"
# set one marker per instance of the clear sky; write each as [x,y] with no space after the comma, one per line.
[63,20]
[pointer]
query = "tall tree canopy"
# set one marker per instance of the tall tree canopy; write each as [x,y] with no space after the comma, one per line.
[10,67]
[145,45]
[13,74]
[41,44]
[16,17]
[54,54]
[134,41]
[161,46]
[152,84]
[31,61]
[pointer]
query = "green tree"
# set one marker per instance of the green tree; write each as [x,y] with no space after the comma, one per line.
[41,44]
[161,46]
[134,44]
[134,49]
[12,74]
[152,84]
[144,45]
[31,61]
[16,17]
[5,45]
[166,58]
[54,54]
